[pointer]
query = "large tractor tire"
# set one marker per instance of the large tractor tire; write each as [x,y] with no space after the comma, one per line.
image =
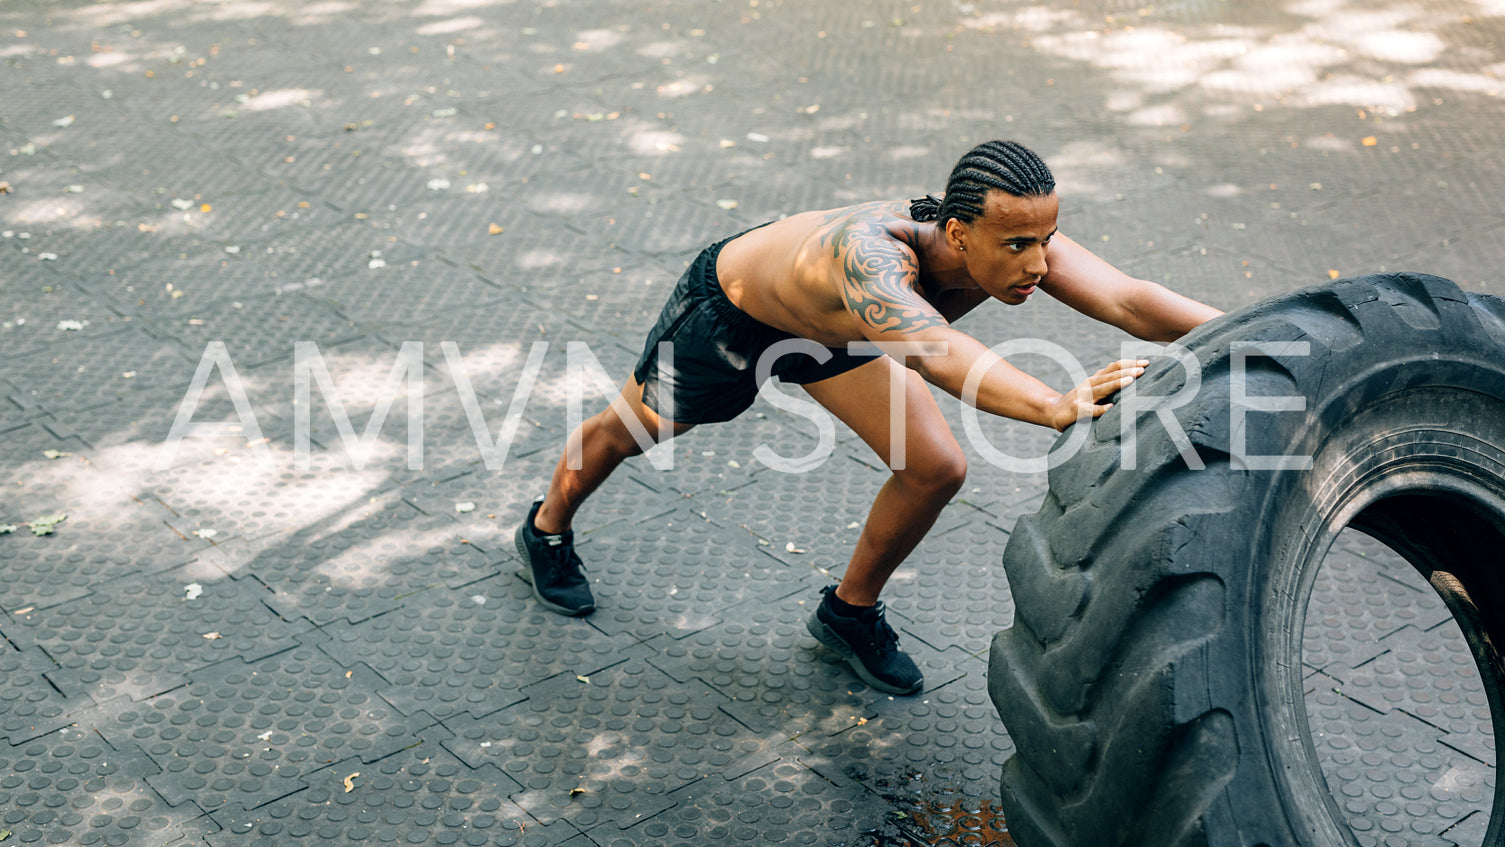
[1152,680]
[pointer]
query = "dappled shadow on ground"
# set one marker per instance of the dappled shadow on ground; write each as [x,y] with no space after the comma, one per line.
[378,179]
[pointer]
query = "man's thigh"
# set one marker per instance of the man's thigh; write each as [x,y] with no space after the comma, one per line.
[891,409]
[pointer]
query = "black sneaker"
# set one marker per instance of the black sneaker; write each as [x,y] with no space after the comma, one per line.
[554,569]
[868,644]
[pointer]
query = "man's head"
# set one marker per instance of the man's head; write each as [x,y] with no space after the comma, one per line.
[999,212]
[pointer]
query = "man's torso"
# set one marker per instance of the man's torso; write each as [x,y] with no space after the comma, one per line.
[790,274]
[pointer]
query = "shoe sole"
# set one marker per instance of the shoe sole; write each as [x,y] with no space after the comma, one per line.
[527,575]
[827,636]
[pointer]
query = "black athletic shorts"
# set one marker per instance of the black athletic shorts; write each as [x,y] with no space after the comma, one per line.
[712,375]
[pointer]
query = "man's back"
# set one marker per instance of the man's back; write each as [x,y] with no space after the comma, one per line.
[790,274]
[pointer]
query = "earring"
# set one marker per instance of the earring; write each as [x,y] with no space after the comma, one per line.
[962,247]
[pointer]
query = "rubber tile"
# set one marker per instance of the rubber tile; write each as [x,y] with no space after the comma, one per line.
[422,794]
[783,802]
[605,748]
[71,787]
[1391,775]
[245,734]
[30,706]
[143,635]
[473,650]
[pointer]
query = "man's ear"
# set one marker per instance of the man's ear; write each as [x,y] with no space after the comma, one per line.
[956,234]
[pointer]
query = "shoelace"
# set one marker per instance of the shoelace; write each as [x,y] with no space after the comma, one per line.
[884,637]
[564,555]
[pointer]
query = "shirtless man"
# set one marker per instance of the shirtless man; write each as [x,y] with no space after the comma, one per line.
[874,272]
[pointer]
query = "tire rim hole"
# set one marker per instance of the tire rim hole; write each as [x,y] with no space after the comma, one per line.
[1398,712]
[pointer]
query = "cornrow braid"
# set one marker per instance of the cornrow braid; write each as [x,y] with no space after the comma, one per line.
[1007,166]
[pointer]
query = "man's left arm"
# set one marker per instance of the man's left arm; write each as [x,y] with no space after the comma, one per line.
[1097,289]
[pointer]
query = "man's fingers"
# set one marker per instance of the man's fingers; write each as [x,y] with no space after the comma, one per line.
[1103,385]
[1126,365]
[1114,377]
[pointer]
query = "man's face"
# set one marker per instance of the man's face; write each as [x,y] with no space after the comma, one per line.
[1006,246]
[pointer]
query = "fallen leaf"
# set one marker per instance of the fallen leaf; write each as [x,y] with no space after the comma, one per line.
[211,636]
[182,205]
[55,454]
[1370,141]
[5,187]
[64,122]
[1331,274]
[205,534]
[44,526]
[727,204]
[584,679]
[192,591]
[495,230]
[265,736]
[8,527]
[350,782]
[467,506]
[576,792]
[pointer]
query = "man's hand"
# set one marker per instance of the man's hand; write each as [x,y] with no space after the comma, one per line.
[1081,403]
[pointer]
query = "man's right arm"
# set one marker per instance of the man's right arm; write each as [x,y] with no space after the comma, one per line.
[878,288]
[1003,389]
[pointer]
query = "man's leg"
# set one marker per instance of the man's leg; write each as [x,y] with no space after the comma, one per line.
[850,620]
[545,540]
[908,504]
[605,442]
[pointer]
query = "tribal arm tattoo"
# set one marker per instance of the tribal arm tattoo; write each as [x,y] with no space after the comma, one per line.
[879,275]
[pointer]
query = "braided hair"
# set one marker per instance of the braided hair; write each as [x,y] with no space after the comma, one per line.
[1007,166]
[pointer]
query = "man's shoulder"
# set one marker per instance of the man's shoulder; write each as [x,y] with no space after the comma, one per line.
[879,213]
[852,227]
